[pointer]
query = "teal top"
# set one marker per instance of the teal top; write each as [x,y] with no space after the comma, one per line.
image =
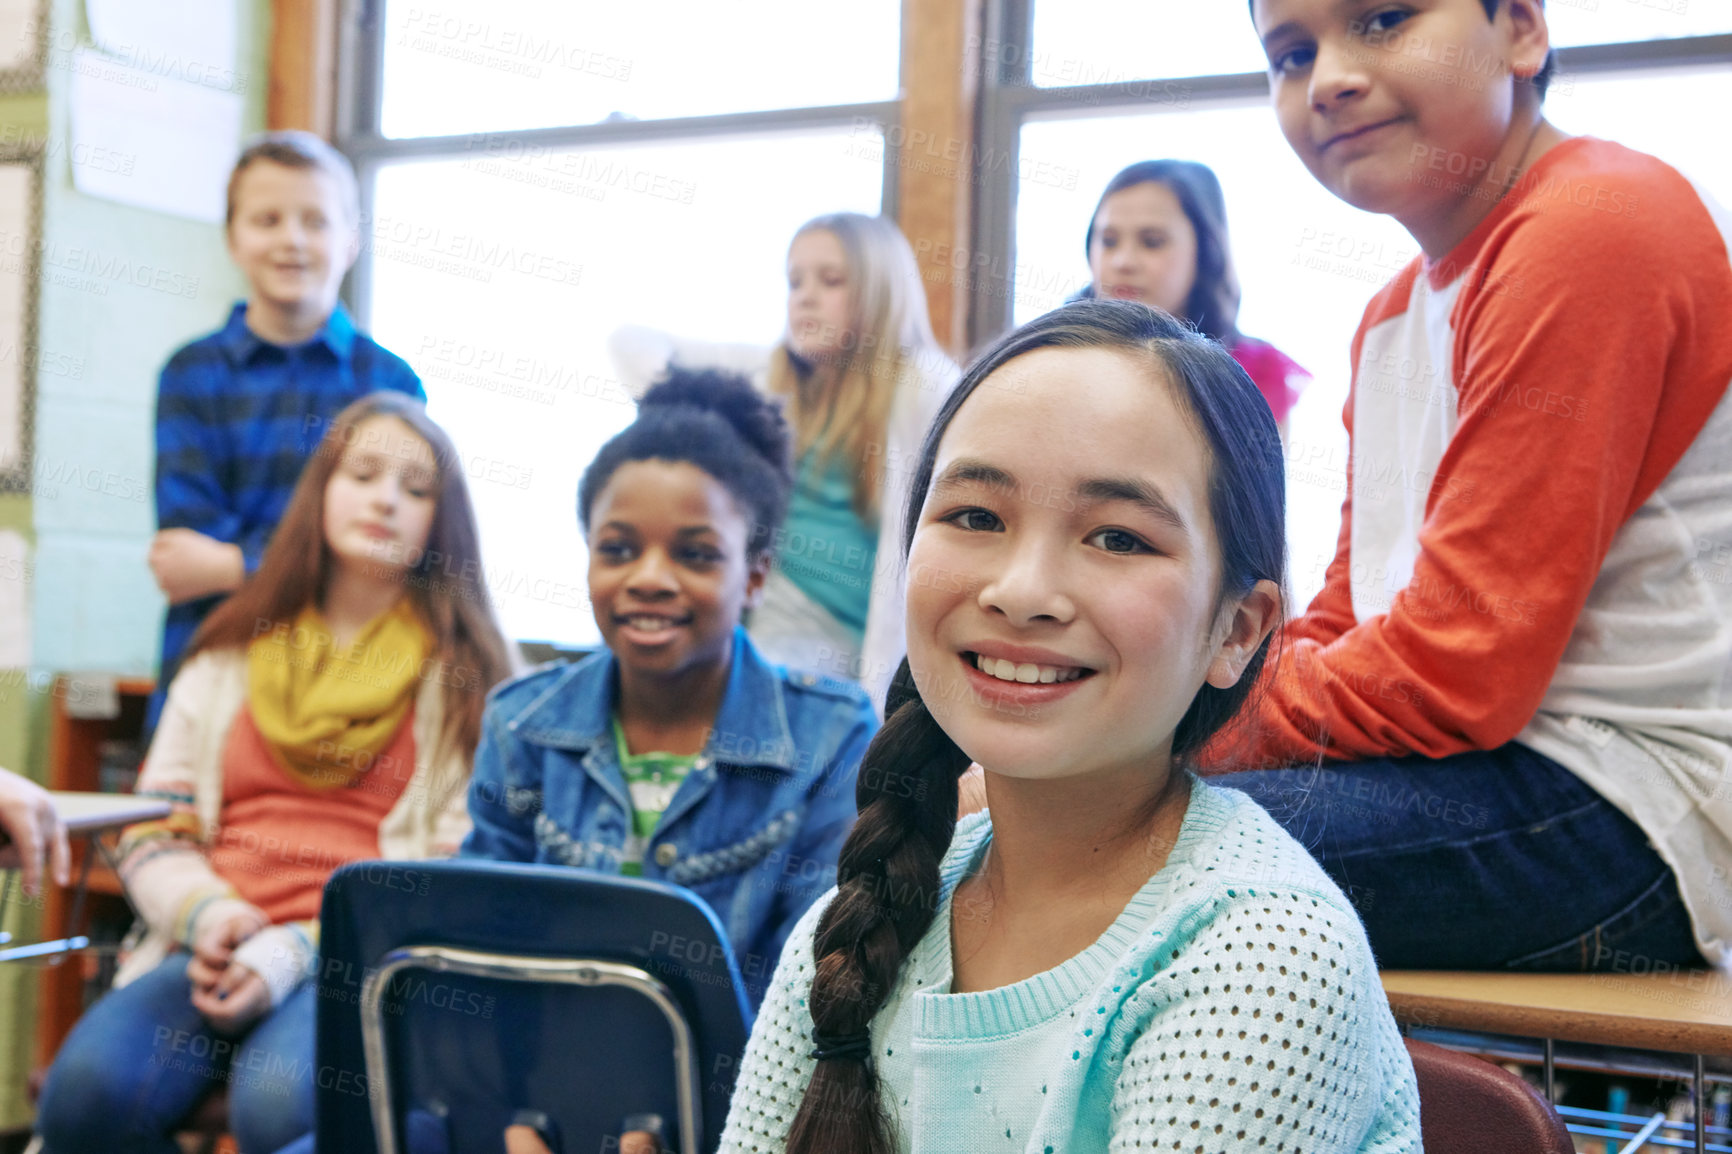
[825,549]
[1233,1005]
[653,779]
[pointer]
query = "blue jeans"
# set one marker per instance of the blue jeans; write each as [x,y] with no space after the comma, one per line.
[142,1058]
[1501,859]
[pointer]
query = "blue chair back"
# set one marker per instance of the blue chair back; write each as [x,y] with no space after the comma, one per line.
[496,988]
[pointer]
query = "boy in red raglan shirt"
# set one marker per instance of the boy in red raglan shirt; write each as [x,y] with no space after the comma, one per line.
[1511,705]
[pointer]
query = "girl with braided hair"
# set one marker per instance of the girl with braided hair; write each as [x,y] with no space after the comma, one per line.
[1114,954]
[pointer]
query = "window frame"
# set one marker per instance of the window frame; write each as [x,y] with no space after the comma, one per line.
[360,98]
[1009,99]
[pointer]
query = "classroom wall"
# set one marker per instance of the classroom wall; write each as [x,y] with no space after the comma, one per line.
[102,339]
[96,607]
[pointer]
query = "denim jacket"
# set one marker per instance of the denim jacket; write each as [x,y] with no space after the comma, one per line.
[754,829]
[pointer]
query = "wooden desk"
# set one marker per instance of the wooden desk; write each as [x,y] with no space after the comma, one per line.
[87,813]
[75,745]
[1686,1012]
[1681,1011]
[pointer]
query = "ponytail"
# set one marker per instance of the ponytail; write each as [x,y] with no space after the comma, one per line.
[886,897]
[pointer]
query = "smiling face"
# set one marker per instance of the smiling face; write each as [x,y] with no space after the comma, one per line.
[1063,606]
[820,295]
[668,573]
[291,237]
[381,498]
[1368,93]
[1144,248]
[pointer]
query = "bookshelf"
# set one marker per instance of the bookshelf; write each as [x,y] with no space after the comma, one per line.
[93,745]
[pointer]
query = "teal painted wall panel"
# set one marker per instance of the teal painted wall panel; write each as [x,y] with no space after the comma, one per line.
[92,473]
[122,288]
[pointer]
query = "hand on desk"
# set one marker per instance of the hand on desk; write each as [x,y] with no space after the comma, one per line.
[30,832]
[188,565]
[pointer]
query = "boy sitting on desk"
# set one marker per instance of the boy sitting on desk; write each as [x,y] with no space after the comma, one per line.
[1520,660]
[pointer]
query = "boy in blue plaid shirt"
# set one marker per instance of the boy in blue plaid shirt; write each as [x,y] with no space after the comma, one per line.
[239,411]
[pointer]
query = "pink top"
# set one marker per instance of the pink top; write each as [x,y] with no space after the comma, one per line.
[1277,376]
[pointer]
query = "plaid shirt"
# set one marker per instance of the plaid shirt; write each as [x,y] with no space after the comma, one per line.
[236,419]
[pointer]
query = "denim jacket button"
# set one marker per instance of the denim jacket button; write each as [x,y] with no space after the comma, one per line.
[666,854]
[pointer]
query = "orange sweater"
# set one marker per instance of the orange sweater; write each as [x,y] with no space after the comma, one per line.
[281,841]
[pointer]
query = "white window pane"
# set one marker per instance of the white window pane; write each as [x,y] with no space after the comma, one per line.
[1613,21]
[472,65]
[500,279]
[1101,41]
[1104,41]
[1642,110]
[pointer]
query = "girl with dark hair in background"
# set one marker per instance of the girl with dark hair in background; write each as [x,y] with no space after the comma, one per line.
[1114,954]
[1159,235]
[327,712]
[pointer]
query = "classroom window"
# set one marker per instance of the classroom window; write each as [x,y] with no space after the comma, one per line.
[504,245]
[1080,42]
[1085,42]
[473,66]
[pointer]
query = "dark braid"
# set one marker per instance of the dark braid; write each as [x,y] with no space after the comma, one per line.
[887,895]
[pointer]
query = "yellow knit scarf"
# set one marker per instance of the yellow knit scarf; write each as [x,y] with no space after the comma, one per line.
[326,711]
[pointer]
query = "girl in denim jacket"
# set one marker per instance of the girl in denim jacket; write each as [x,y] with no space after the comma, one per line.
[678,752]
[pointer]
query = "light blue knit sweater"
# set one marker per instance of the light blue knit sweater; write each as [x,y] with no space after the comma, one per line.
[1233,1006]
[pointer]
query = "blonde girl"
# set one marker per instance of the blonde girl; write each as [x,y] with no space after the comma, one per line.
[862,376]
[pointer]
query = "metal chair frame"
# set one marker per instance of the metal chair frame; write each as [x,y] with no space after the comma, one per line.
[519,968]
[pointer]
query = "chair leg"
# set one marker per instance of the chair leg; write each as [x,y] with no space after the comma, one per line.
[1701,1087]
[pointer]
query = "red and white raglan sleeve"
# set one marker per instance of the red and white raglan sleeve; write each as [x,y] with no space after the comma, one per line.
[1589,355]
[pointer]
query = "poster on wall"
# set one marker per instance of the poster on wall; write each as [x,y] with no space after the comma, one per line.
[192,40]
[167,144]
[18,230]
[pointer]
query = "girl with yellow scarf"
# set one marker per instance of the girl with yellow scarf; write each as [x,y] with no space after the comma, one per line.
[327,712]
